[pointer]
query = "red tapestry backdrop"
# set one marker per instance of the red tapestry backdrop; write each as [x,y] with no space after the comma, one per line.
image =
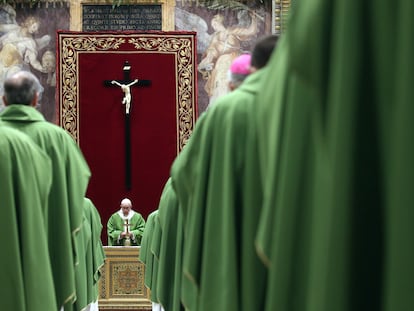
[162,114]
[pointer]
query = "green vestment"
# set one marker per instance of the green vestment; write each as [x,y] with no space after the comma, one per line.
[154,249]
[149,253]
[96,255]
[145,254]
[116,225]
[170,261]
[70,178]
[25,173]
[218,187]
[82,274]
[91,250]
[335,126]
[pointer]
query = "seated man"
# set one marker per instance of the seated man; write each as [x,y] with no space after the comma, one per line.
[126,226]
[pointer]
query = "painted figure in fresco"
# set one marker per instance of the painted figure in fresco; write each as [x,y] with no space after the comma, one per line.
[10,61]
[185,21]
[49,66]
[19,47]
[22,38]
[224,47]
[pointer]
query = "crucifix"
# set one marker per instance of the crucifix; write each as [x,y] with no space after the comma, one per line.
[127,241]
[125,86]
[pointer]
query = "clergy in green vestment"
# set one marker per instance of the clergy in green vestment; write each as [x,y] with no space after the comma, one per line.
[145,255]
[125,224]
[336,151]
[154,249]
[218,186]
[91,251]
[219,191]
[96,254]
[82,268]
[70,178]
[170,261]
[149,255]
[26,177]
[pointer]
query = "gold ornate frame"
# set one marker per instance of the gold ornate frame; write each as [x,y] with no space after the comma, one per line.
[180,45]
[167,7]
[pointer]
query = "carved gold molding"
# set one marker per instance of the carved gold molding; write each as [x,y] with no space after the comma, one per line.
[280,14]
[167,6]
[181,46]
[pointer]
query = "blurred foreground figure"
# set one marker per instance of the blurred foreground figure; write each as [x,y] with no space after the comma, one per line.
[217,186]
[334,133]
[25,178]
[70,176]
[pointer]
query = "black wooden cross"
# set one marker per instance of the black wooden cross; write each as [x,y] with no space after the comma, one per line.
[125,85]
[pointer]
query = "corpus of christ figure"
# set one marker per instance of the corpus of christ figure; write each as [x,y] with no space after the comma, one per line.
[127,93]
[126,85]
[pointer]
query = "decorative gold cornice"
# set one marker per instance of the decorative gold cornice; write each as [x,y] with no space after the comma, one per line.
[181,46]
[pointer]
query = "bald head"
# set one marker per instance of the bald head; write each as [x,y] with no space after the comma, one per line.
[22,88]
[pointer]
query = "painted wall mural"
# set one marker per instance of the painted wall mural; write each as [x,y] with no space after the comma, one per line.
[28,42]
[28,38]
[222,35]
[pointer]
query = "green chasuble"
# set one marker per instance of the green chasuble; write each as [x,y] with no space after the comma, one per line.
[217,183]
[25,173]
[154,250]
[169,265]
[91,250]
[269,160]
[116,225]
[70,178]
[82,274]
[149,253]
[145,255]
[95,256]
[335,141]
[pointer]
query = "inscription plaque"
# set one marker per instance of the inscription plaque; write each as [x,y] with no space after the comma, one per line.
[123,17]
